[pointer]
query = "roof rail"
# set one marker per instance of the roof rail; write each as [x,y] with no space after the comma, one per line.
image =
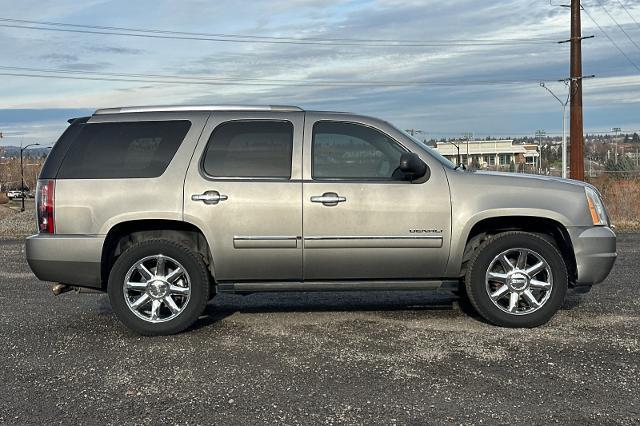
[180,108]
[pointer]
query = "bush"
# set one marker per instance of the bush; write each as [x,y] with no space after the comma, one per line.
[622,198]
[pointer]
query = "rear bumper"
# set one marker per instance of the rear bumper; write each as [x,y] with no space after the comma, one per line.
[595,251]
[68,259]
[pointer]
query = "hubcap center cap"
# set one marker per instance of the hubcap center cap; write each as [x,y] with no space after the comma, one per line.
[158,289]
[518,281]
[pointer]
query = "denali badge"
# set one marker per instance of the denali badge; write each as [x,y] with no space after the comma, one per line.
[425,231]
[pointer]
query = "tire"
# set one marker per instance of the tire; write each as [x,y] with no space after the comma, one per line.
[158,270]
[538,279]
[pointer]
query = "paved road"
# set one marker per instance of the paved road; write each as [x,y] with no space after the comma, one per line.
[319,358]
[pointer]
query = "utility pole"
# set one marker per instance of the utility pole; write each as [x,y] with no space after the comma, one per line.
[540,134]
[467,137]
[576,122]
[617,131]
[564,124]
[459,159]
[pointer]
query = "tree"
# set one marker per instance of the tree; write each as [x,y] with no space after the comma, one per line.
[621,168]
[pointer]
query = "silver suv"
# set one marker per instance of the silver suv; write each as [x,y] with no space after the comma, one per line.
[163,207]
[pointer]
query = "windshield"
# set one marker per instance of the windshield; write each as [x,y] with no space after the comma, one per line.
[435,154]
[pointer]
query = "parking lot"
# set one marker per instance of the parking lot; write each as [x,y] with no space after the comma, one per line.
[381,357]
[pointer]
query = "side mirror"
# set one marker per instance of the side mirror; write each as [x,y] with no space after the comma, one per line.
[413,167]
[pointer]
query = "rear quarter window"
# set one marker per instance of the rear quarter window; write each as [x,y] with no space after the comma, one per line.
[141,149]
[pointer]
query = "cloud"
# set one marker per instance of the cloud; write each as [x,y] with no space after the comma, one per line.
[59,58]
[72,62]
[499,108]
[118,50]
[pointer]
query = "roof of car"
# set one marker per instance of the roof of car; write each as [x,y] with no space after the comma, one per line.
[179,108]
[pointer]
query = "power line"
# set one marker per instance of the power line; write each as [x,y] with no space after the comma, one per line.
[610,39]
[239,38]
[628,13]
[221,40]
[269,81]
[619,26]
[529,39]
[222,81]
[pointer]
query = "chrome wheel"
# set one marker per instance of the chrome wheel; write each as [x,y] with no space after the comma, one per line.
[157,288]
[519,281]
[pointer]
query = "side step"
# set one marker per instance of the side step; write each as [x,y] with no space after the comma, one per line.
[284,286]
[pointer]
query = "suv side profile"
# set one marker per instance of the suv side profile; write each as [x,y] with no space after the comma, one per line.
[163,207]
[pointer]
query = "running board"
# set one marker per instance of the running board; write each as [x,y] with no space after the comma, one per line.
[284,286]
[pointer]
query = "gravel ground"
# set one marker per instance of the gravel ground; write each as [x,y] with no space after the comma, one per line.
[14,222]
[325,358]
[5,212]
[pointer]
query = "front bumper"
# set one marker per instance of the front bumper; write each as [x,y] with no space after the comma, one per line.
[595,252]
[67,259]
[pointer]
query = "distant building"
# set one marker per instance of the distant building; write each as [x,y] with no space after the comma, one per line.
[635,156]
[492,154]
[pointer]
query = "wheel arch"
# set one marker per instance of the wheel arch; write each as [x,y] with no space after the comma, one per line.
[125,234]
[548,228]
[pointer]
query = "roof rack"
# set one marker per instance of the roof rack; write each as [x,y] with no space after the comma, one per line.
[179,108]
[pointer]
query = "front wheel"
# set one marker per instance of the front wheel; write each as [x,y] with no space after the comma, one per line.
[158,287]
[517,279]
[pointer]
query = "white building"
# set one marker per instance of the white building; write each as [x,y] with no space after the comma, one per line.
[495,154]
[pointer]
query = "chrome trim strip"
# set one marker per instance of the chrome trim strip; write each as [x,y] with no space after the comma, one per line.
[270,238]
[267,242]
[366,242]
[183,108]
[367,237]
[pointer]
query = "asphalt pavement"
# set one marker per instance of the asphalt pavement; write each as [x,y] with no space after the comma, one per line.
[319,358]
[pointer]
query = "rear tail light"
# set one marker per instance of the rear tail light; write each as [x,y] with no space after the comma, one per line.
[45,206]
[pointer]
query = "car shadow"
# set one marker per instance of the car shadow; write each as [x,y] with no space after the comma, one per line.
[571,301]
[225,305]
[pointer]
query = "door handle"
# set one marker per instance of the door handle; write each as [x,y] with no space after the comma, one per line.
[329,199]
[209,197]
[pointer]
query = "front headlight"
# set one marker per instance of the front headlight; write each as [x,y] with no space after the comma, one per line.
[596,207]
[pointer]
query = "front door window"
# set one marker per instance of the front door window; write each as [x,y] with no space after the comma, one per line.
[349,151]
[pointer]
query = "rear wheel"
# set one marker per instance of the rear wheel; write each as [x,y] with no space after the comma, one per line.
[516,279]
[158,287]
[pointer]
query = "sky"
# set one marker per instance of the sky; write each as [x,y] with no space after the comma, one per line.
[35,109]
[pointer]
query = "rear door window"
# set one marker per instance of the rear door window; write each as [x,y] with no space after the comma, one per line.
[250,149]
[141,149]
